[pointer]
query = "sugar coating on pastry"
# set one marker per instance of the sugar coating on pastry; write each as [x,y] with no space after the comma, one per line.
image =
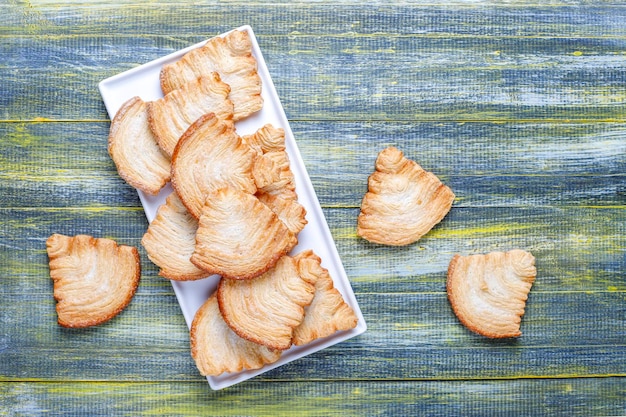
[266,309]
[171,239]
[132,146]
[289,211]
[216,349]
[231,57]
[403,201]
[210,155]
[94,279]
[239,237]
[328,311]
[171,115]
[488,292]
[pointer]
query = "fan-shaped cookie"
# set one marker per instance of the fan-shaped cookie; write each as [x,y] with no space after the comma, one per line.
[289,211]
[93,279]
[403,201]
[217,349]
[133,148]
[488,293]
[272,171]
[231,57]
[171,239]
[267,139]
[328,312]
[171,115]
[266,309]
[272,175]
[210,155]
[239,237]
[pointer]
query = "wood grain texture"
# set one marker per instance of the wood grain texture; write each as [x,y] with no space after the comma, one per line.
[571,163]
[454,78]
[514,63]
[561,397]
[518,107]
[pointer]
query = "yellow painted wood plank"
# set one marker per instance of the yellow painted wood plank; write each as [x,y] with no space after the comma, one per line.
[486,164]
[411,336]
[409,78]
[577,249]
[491,18]
[560,397]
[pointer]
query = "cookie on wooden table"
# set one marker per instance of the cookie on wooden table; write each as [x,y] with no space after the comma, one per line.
[171,115]
[216,349]
[488,293]
[403,201]
[133,147]
[239,237]
[209,156]
[266,309]
[94,279]
[171,239]
[231,57]
[328,311]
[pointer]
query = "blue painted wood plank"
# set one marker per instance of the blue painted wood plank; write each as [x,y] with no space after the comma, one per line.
[559,397]
[410,78]
[486,164]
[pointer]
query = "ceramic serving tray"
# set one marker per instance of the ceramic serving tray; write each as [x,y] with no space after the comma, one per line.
[143,81]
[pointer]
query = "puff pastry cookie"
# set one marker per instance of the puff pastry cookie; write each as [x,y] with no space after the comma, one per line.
[94,279]
[216,349]
[328,312]
[231,57]
[272,175]
[488,293]
[171,239]
[403,202]
[171,115]
[267,139]
[209,156]
[289,211]
[266,309]
[272,171]
[239,237]
[133,148]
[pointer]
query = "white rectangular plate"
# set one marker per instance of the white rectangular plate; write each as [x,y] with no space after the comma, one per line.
[143,81]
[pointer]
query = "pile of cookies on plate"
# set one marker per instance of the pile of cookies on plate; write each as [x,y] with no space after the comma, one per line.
[234,211]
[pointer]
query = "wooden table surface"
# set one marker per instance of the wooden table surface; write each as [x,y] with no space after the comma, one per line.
[517,106]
